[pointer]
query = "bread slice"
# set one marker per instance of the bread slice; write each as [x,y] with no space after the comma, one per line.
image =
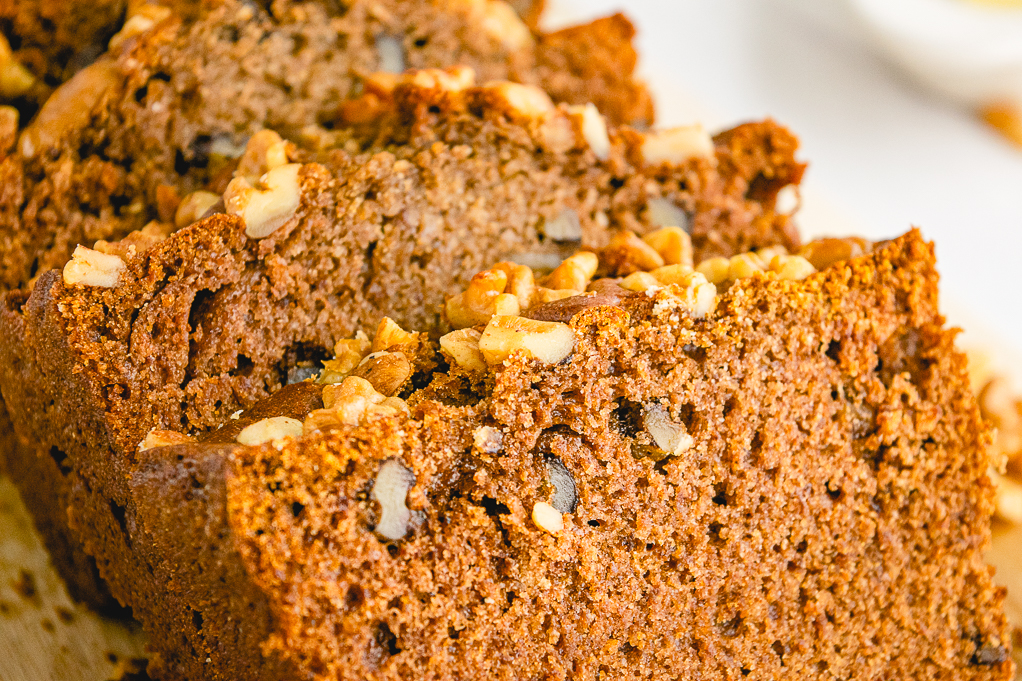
[170,107]
[752,469]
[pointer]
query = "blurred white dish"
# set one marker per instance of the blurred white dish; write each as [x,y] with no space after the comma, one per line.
[968,51]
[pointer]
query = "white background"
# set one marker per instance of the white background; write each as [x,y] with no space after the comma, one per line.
[884,154]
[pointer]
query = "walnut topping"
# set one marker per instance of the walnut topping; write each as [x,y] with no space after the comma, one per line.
[773,259]
[793,267]
[823,253]
[92,268]
[547,518]
[270,204]
[676,145]
[270,430]
[673,244]
[264,151]
[453,79]
[462,346]
[498,20]
[526,101]
[669,435]
[193,207]
[352,402]
[15,79]
[348,354]
[564,227]
[163,438]
[627,253]
[476,304]
[520,283]
[549,342]
[488,439]
[386,371]
[390,490]
[594,129]
[574,273]
[70,107]
[390,336]
[141,18]
[689,290]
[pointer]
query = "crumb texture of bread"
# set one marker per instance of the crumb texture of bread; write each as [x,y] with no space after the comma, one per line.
[822,510]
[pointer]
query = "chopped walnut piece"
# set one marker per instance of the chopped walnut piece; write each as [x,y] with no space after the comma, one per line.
[141,18]
[548,295]
[524,101]
[264,151]
[390,490]
[674,274]
[744,265]
[92,268]
[475,304]
[823,253]
[462,346]
[574,273]
[663,212]
[266,207]
[547,518]
[15,79]
[676,145]
[488,439]
[640,281]
[594,129]
[193,207]
[715,270]
[793,267]
[549,342]
[521,282]
[669,435]
[386,371]
[269,430]
[390,336]
[673,244]
[348,354]
[163,438]
[350,398]
[627,253]
[453,79]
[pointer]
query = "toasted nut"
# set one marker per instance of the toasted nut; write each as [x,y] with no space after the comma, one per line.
[454,79]
[475,305]
[70,107]
[565,492]
[744,265]
[163,438]
[390,336]
[627,253]
[501,22]
[823,253]
[463,347]
[392,406]
[526,101]
[669,435]
[549,342]
[348,354]
[564,227]
[574,273]
[319,419]
[674,274]
[193,207]
[1008,500]
[594,129]
[391,52]
[350,399]
[673,244]
[390,489]
[488,439]
[793,267]
[143,18]
[676,145]
[268,430]
[664,213]
[555,134]
[549,295]
[715,270]
[264,151]
[92,268]
[640,281]
[520,282]
[386,371]
[547,518]
[267,208]
[15,79]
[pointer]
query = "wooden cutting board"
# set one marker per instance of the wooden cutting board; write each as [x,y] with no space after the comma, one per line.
[44,636]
